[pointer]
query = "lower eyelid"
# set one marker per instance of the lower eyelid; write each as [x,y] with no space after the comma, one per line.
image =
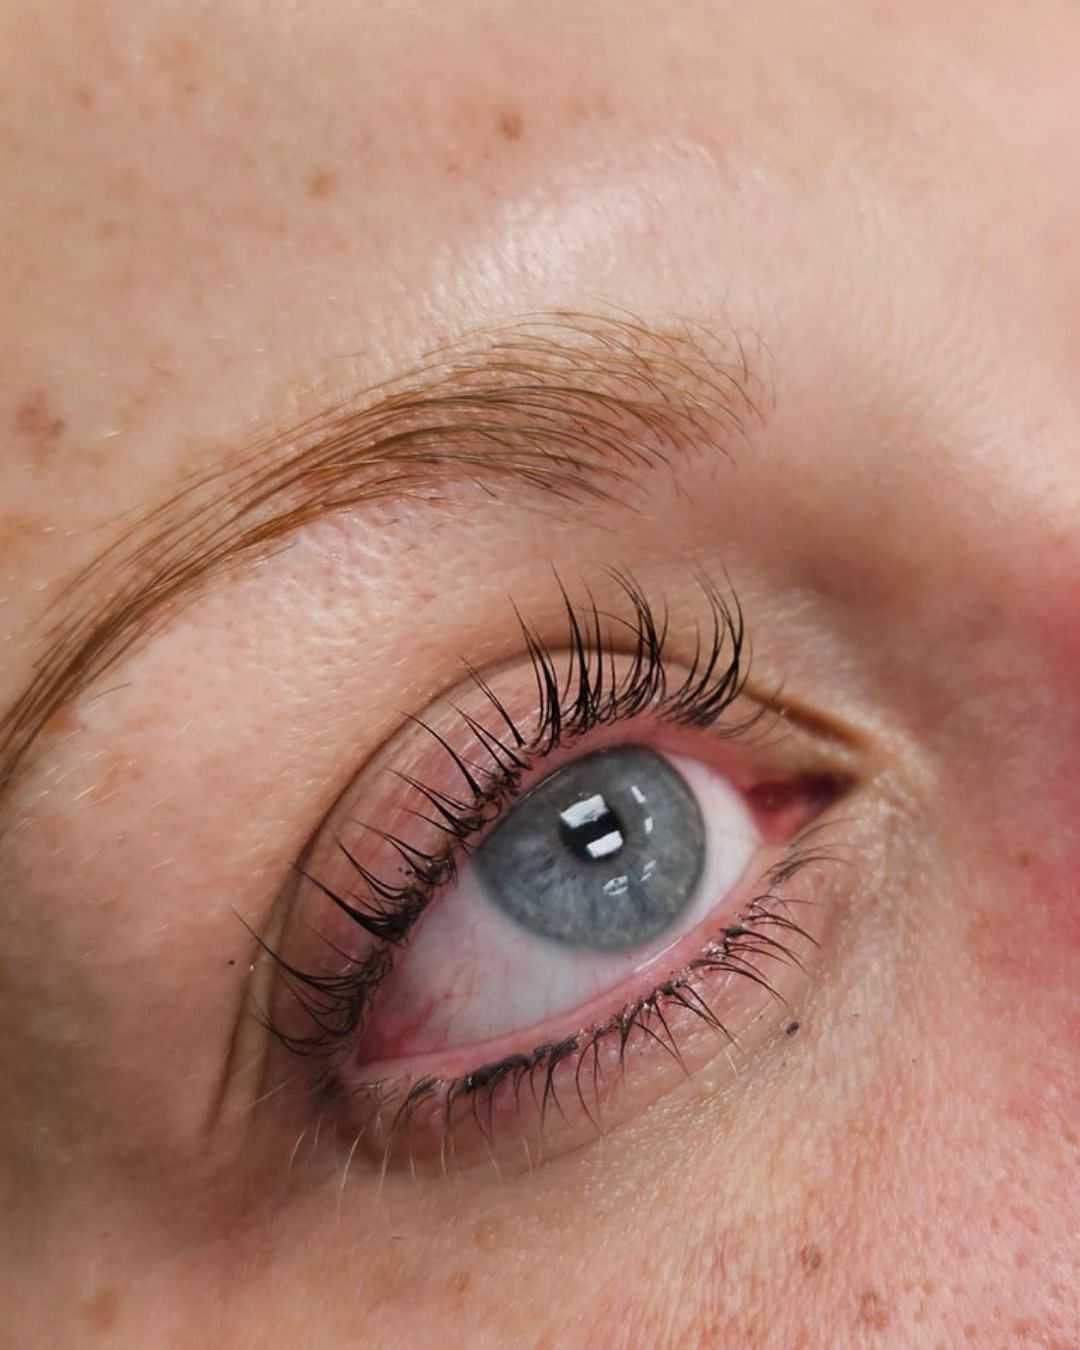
[539,1102]
[373,1094]
[376,1060]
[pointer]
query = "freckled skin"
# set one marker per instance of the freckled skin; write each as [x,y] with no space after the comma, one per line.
[36,428]
[322,184]
[215,225]
[511,125]
[101,1311]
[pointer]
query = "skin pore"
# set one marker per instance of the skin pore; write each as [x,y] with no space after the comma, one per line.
[218,226]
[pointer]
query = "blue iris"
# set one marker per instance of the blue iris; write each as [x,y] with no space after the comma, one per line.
[604,854]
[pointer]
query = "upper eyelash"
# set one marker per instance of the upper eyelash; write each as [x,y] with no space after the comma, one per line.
[592,692]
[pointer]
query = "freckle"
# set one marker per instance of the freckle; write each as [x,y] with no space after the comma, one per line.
[35,422]
[511,124]
[452,166]
[177,54]
[322,184]
[84,97]
[811,1259]
[460,1283]
[20,535]
[872,1311]
[1025,857]
[102,1310]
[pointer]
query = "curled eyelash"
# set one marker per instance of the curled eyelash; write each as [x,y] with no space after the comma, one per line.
[615,668]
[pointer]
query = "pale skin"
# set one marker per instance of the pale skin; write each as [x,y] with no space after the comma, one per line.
[215,221]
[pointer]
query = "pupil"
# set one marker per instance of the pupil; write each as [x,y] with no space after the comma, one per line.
[591,830]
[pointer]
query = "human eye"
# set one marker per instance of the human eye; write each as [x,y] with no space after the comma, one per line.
[557,893]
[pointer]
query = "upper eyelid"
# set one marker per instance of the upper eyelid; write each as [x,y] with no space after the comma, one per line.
[676,704]
[569,403]
[834,745]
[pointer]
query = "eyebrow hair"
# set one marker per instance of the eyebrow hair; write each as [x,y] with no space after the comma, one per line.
[573,405]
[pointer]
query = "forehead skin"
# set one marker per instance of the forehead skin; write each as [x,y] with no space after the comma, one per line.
[212,221]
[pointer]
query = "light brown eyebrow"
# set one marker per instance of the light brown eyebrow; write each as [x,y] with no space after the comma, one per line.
[568,404]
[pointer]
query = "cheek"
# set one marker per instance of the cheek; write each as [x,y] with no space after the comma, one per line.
[1013,1046]
[1015,799]
[1027,952]
[1026,944]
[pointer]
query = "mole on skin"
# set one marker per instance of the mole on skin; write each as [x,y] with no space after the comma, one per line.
[511,124]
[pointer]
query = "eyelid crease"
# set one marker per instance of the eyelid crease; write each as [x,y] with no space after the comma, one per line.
[570,404]
[789,711]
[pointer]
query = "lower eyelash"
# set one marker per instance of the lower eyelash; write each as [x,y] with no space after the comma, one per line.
[740,949]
